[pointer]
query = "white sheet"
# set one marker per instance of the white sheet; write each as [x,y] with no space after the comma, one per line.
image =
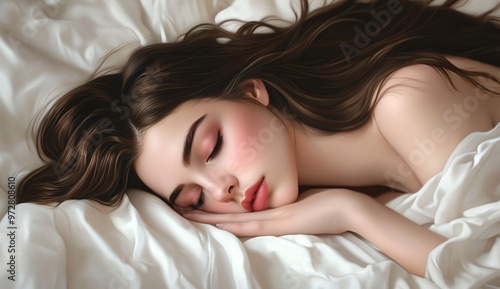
[463,204]
[47,49]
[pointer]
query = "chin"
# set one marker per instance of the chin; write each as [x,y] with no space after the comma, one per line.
[287,199]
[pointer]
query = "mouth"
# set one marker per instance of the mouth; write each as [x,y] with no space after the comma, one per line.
[256,197]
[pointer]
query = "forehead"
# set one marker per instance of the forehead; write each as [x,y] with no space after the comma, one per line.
[162,144]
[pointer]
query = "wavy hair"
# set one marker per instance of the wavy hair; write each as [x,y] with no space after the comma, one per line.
[324,69]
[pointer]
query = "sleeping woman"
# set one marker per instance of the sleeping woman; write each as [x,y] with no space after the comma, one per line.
[308,128]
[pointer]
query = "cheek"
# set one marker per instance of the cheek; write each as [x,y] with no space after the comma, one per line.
[247,121]
[245,146]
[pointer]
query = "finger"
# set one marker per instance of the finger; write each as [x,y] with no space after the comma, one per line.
[247,229]
[257,228]
[211,218]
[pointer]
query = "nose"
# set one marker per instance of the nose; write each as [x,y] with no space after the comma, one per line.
[221,186]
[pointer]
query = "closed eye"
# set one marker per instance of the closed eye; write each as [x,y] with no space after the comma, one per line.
[217,147]
[200,201]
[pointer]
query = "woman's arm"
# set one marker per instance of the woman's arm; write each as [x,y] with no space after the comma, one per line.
[399,238]
[335,211]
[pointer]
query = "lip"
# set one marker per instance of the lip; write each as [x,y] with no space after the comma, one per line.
[256,196]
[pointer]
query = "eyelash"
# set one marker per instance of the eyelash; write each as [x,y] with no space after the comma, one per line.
[200,201]
[212,155]
[217,147]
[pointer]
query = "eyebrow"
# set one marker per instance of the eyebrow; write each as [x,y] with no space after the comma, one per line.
[186,154]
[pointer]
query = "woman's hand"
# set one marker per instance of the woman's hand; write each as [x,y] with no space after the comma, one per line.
[317,211]
[335,211]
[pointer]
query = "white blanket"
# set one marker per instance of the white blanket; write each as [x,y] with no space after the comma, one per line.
[463,204]
[48,47]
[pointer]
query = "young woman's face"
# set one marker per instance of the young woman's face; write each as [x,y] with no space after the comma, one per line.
[221,156]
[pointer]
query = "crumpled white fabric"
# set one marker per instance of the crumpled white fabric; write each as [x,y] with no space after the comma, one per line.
[463,204]
[48,47]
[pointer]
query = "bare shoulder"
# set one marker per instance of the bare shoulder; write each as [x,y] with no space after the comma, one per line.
[424,117]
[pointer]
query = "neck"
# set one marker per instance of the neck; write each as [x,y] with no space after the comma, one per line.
[359,158]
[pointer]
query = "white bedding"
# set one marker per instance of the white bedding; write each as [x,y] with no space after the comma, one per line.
[48,47]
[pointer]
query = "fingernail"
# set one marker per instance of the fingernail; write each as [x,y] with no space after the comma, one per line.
[220,226]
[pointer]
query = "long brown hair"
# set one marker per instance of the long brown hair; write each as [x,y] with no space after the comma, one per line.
[324,70]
